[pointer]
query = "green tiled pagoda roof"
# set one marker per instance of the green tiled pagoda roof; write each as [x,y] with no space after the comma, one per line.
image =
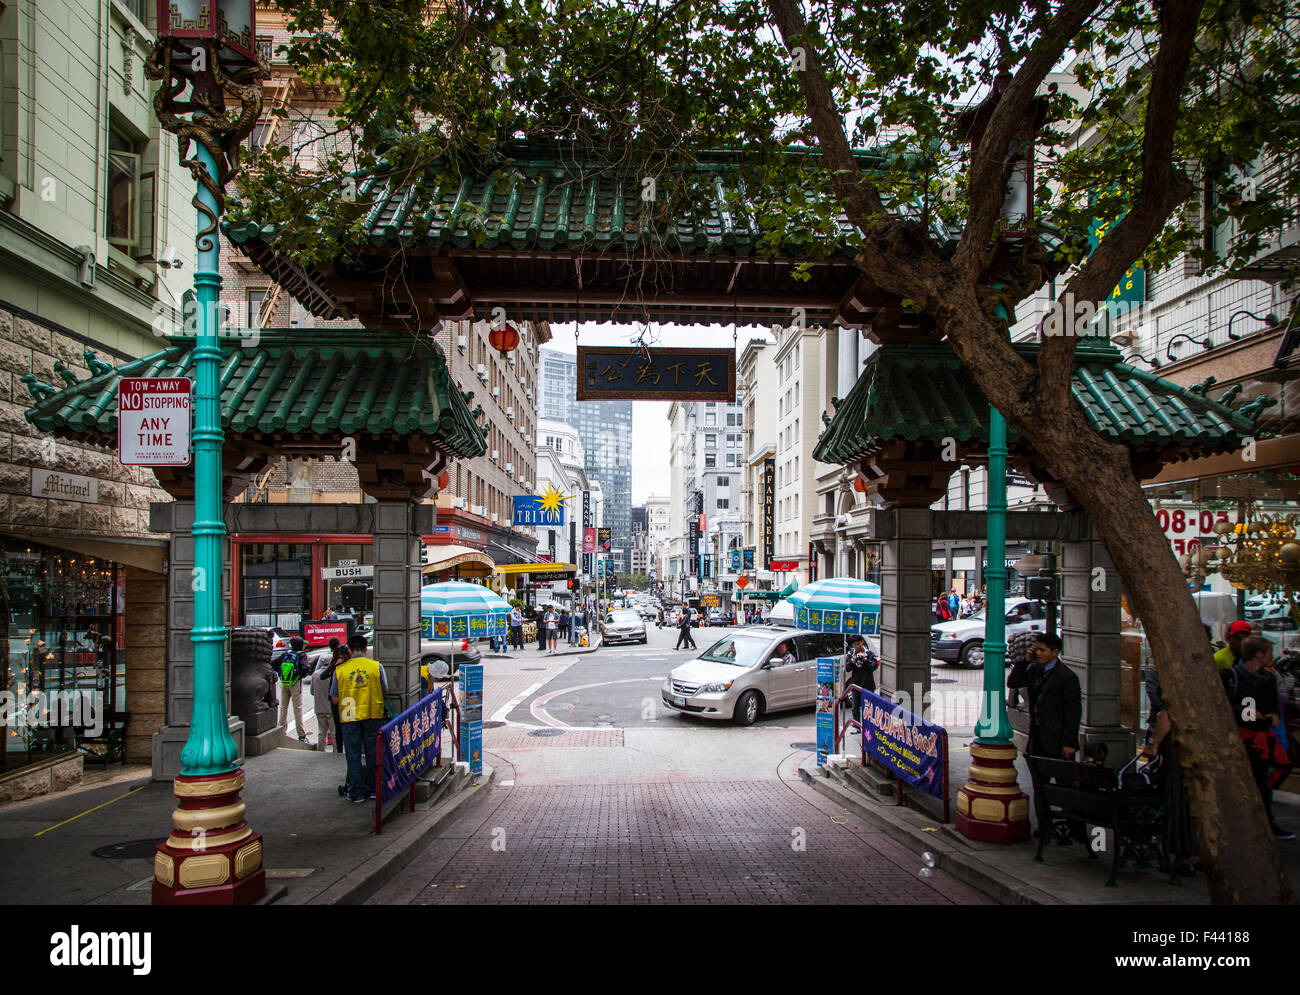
[549,202]
[317,383]
[921,392]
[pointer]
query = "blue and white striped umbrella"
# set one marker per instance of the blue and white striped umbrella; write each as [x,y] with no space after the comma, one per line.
[838,604]
[456,610]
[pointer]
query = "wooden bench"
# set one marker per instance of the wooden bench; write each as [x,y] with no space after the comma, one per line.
[1067,792]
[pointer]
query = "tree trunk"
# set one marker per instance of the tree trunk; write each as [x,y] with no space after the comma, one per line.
[1234,839]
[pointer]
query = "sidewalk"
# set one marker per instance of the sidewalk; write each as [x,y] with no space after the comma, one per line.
[95,845]
[1009,874]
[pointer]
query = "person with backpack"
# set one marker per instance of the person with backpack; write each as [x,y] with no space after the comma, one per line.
[293,668]
[1252,689]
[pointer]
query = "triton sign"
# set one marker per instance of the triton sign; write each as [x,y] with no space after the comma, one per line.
[626,373]
[546,509]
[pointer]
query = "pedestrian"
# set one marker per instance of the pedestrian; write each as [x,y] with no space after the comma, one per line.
[1252,690]
[1055,701]
[564,624]
[1230,655]
[358,688]
[684,631]
[1020,656]
[552,623]
[659,621]
[294,666]
[1160,746]
[338,653]
[516,628]
[539,619]
[320,696]
[860,670]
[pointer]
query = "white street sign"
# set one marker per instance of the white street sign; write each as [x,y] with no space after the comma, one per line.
[153,421]
[347,573]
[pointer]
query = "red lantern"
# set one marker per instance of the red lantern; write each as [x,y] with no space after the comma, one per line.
[504,339]
[444,480]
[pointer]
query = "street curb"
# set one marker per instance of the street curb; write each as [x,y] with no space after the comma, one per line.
[577,651]
[363,881]
[904,825]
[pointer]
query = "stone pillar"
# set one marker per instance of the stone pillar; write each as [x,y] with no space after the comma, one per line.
[146,661]
[1090,636]
[174,519]
[397,598]
[905,615]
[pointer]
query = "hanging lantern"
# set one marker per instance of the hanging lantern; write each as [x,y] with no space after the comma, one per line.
[231,24]
[504,339]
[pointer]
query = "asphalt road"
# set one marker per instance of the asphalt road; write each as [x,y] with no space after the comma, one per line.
[619,687]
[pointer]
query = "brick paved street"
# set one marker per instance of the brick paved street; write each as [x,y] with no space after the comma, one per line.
[675,810]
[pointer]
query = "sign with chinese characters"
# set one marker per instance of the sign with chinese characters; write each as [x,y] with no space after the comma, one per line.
[543,509]
[412,743]
[471,726]
[153,421]
[768,498]
[627,373]
[1133,285]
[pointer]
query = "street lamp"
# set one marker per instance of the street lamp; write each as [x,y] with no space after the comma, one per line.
[204,51]
[991,806]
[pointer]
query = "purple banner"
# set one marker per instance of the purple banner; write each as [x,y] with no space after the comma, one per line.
[904,743]
[412,743]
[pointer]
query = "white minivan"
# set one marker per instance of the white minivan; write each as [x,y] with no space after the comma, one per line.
[962,641]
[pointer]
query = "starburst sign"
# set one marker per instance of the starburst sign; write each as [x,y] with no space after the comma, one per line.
[552,500]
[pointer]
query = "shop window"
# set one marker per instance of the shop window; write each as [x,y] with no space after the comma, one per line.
[65,621]
[276,585]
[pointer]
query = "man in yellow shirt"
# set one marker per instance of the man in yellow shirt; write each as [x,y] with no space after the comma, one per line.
[358,689]
[1227,657]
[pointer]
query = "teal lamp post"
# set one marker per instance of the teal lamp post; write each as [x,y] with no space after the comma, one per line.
[990,806]
[204,51]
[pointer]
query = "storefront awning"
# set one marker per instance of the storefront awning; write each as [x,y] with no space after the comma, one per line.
[536,568]
[445,557]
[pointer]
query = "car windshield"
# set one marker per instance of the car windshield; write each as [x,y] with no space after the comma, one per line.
[742,651]
[624,616]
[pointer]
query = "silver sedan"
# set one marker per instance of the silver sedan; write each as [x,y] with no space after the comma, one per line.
[622,625]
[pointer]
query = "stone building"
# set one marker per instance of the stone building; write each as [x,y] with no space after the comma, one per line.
[96,248]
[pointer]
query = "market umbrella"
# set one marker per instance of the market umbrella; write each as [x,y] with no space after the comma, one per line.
[456,610]
[838,604]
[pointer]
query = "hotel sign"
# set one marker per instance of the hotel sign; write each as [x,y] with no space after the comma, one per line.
[64,486]
[768,497]
[627,373]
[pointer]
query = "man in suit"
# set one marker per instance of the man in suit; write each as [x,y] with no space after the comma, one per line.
[1055,701]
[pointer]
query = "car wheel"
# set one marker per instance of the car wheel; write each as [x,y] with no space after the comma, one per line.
[972,654]
[748,709]
[645,640]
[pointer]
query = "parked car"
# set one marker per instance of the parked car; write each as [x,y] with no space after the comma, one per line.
[962,641]
[622,625]
[741,677]
[648,612]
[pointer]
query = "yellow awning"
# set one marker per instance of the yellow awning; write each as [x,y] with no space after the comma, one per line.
[536,568]
[445,557]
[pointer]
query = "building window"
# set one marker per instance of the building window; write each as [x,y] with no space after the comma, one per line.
[724,481]
[710,441]
[255,299]
[724,502]
[731,459]
[710,461]
[710,419]
[731,420]
[127,190]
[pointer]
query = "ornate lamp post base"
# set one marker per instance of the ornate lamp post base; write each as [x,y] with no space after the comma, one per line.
[212,857]
[990,806]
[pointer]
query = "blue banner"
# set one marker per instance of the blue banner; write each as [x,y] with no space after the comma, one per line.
[827,670]
[411,744]
[905,743]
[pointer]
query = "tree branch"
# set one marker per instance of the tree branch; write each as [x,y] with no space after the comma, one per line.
[1163,188]
[862,197]
[988,162]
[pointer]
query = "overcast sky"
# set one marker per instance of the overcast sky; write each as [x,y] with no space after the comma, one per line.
[650,435]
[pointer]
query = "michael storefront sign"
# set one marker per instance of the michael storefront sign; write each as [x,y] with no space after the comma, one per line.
[64,486]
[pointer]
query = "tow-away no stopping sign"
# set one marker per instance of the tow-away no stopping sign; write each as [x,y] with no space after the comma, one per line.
[153,421]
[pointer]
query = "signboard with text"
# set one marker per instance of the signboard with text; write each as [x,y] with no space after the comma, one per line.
[412,743]
[534,510]
[906,744]
[785,565]
[628,373]
[768,498]
[604,538]
[153,421]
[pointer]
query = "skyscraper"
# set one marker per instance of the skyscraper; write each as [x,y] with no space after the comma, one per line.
[605,428]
